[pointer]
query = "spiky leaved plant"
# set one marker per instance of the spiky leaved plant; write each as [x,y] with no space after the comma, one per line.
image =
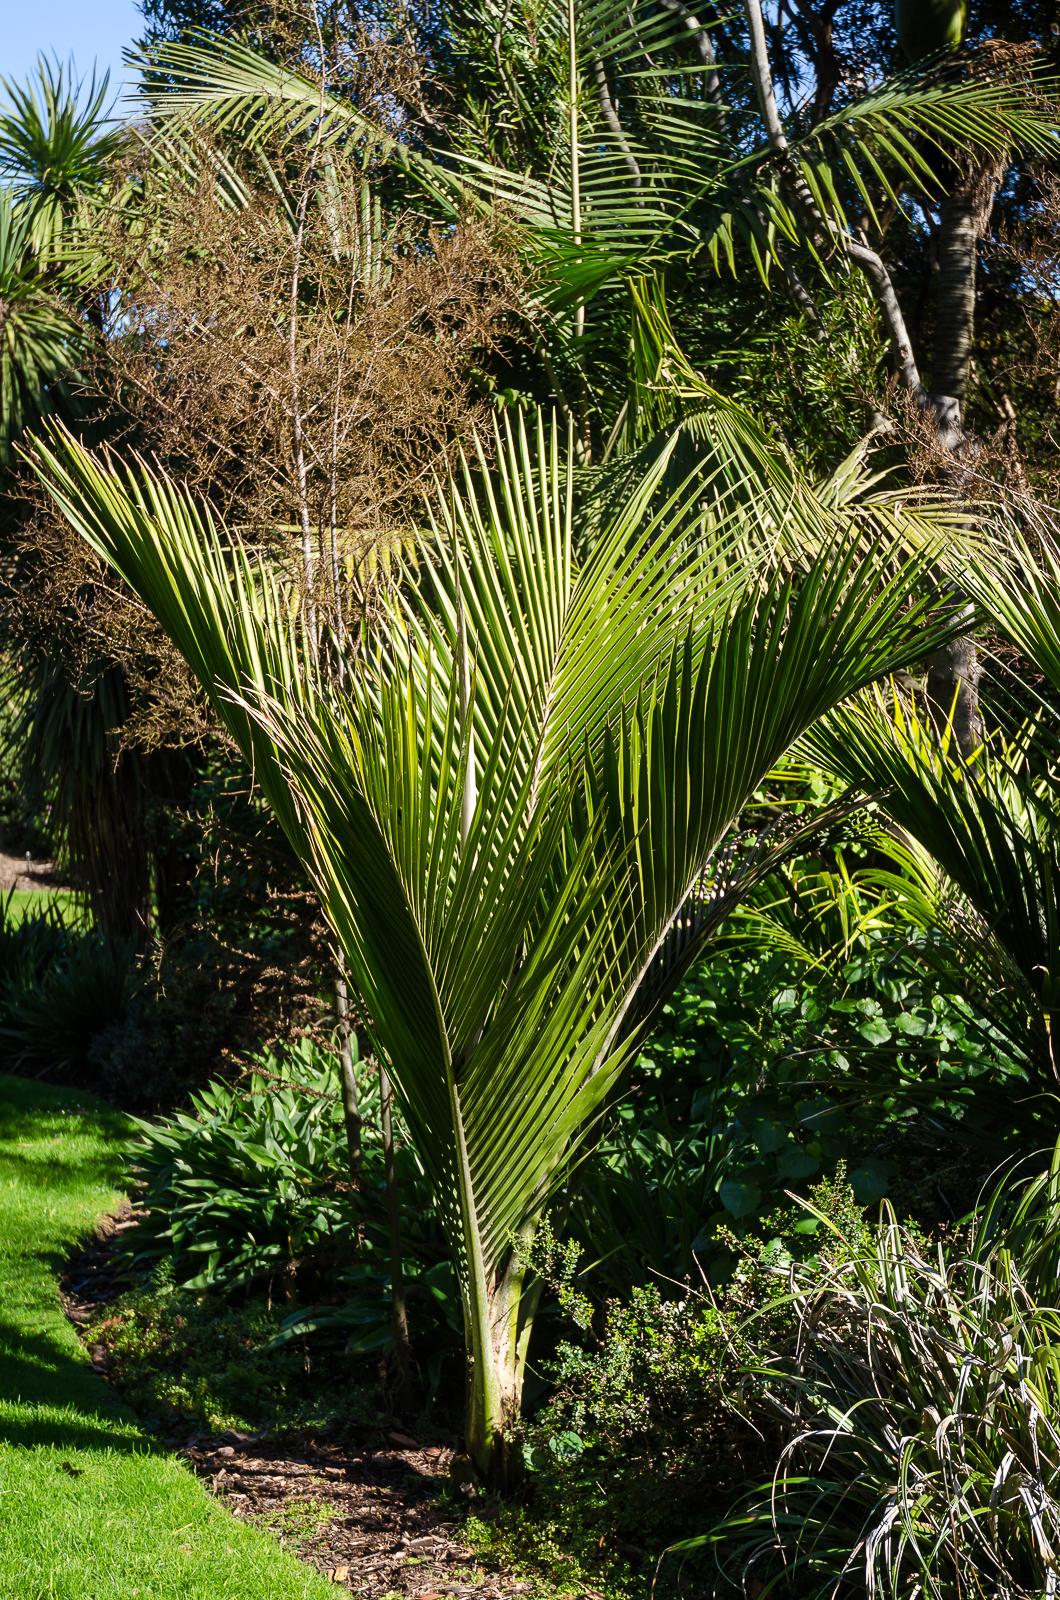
[512,809]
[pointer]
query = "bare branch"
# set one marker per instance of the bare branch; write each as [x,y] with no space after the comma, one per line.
[824,232]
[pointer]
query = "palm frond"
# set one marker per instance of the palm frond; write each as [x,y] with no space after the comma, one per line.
[509,806]
[41,343]
[982,853]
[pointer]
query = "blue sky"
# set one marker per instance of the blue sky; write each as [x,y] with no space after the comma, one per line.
[92,31]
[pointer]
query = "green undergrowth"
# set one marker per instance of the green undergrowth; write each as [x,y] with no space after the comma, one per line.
[192,1362]
[64,903]
[557,1548]
[91,1509]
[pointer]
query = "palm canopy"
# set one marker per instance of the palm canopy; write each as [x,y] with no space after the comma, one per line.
[57,139]
[619,149]
[1015,578]
[626,157]
[509,807]
[55,146]
[40,341]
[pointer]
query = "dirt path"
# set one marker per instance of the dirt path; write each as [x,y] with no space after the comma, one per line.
[20,872]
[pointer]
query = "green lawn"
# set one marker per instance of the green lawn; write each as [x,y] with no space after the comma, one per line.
[23,903]
[88,1509]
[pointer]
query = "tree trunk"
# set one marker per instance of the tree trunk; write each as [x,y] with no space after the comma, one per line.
[960,223]
[351,1115]
[399,1320]
[953,691]
[954,671]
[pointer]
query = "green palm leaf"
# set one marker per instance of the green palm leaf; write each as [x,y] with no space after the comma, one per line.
[982,852]
[40,341]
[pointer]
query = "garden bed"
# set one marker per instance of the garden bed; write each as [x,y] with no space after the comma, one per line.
[375,1520]
[379,1517]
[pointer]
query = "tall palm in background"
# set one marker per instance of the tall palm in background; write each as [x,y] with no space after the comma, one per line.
[58,141]
[55,148]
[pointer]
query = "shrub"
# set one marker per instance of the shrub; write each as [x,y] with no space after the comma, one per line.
[250,1190]
[60,992]
[647,1419]
[190,1362]
[250,1186]
[646,1408]
[31,941]
[766,1071]
[238,963]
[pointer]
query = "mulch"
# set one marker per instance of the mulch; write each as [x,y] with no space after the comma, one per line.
[381,1529]
[371,1517]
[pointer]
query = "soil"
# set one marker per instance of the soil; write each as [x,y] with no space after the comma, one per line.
[371,1517]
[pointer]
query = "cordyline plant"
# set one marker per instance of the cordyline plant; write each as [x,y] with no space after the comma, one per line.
[512,802]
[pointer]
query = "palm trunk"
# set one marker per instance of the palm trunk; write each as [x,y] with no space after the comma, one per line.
[399,1320]
[351,1114]
[498,1333]
[959,228]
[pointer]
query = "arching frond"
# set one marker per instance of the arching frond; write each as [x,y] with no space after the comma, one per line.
[511,804]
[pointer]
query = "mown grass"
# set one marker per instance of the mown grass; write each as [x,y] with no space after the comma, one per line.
[89,1509]
[68,903]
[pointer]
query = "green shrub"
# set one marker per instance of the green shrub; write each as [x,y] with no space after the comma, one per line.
[644,1420]
[60,993]
[766,1071]
[663,1406]
[650,1400]
[31,942]
[190,1362]
[247,1187]
[250,1190]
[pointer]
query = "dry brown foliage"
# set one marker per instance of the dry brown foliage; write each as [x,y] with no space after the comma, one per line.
[308,326]
[305,361]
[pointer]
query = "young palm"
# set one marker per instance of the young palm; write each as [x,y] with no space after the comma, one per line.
[514,812]
[979,855]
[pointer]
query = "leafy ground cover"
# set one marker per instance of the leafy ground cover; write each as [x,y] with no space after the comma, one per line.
[92,1510]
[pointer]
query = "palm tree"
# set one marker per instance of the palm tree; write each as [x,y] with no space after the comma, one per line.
[55,146]
[622,149]
[57,142]
[977,839]
[514,811]
[40,339]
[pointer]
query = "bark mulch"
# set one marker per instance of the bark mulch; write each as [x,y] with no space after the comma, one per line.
[369,1519]
[372,1518]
